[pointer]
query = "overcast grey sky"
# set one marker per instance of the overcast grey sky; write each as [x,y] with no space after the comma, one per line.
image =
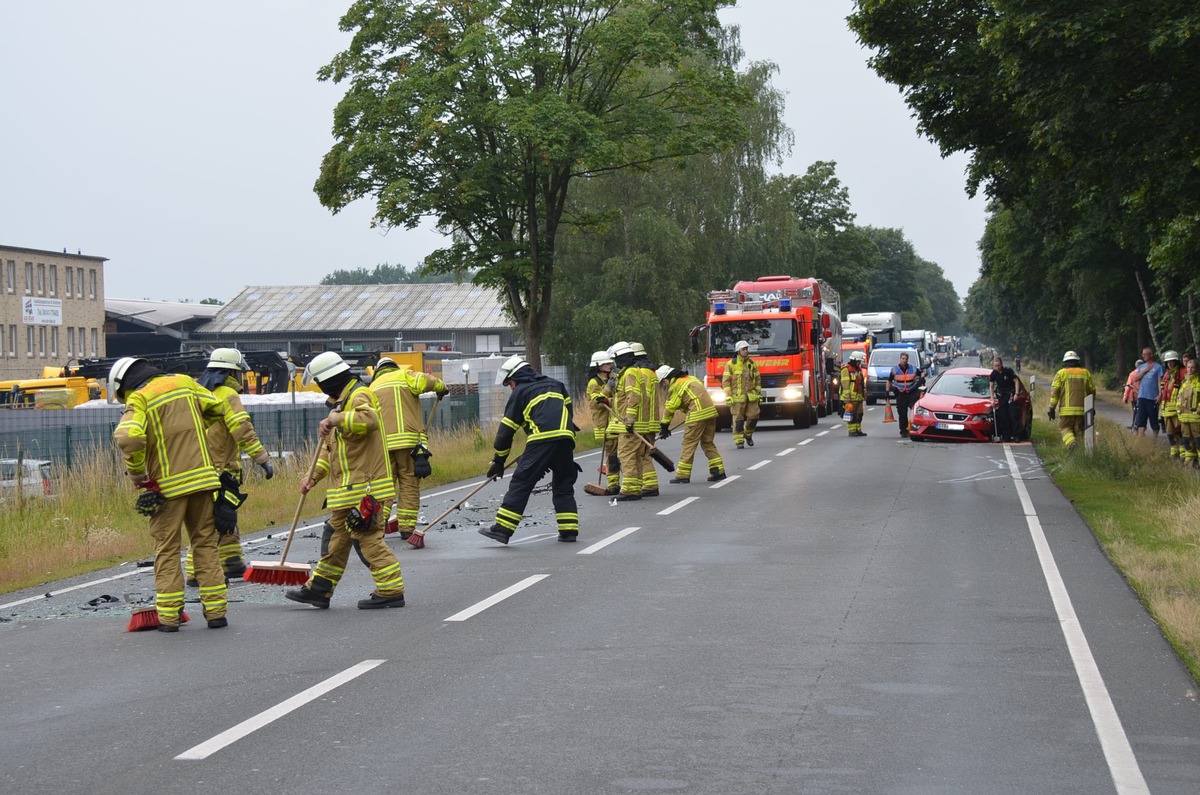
[181,141]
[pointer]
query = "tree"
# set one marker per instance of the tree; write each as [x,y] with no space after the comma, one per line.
[481,113]
[388,274]
[212,301]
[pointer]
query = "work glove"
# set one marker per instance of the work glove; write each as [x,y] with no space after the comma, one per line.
[612,382]
[268,469]
[441,393]
[602,400]
[421,467]
[496,470]
[1050,413]
[629,427]
[664,431]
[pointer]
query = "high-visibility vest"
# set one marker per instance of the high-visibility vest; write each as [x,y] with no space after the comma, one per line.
[905,381]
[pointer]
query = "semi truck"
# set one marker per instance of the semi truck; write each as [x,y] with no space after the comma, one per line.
[884,325]
[792,327]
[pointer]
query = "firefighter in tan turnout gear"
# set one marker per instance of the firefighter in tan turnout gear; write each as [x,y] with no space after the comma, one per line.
[630,448]
[743,392]
[648,416]
[853,393]
[399,391]
[1071,385]
[687,394]
[601,387]
[162,440]
[354,458]
[223,378]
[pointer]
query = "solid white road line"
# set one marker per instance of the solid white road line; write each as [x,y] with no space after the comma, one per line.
[230,736]
[612,539]
[146,570]
[720,484]
[1122,764]
[678,505]
[496,599]
[759,465]
[785,451]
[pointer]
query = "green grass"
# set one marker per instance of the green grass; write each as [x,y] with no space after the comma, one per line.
[90,523]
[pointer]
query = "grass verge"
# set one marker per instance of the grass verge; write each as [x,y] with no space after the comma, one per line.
[90,523]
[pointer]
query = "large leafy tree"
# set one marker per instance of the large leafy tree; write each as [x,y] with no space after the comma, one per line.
[481,113]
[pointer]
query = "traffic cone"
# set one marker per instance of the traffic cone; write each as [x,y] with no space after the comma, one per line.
[887,412]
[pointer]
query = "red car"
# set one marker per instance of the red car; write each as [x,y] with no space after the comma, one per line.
[956,407]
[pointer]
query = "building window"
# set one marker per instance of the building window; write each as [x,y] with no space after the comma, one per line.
[11,278]
[79,285]
[82,341]
[95,337]
[487,343]
[53,280]
[42,341]
[2,351]
[70,282]
[12,340]
[41,276]
[92,283]
[54,341]
[70,341]
[28,278]
[29,340]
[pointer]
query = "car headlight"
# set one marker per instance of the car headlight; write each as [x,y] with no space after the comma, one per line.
[981,418]
[921,411]
[718,396]
[793,393]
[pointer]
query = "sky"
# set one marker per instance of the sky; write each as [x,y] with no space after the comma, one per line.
[181,141]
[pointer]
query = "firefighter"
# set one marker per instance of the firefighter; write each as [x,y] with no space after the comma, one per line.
[743,392]
[1167,407]
[853,391]
[687,394]
[904,381]
[162,441]
[1188,401]
[601,387]
[222,377]
[541,406]
[399,391]
[1071,385]
[649,415]
[630,447]
[353,455]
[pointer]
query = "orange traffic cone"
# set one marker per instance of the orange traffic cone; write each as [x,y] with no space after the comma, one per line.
[887,412]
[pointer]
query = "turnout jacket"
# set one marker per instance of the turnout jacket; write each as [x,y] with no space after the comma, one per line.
[741,381]
[538,404]
[629,396]
[597,387]
[1070,386]
[354,457]
[226,439]
[1188,399]
[688,394]
[650,409]
[1168,391]
[852,384]
[162,435]
[398,392]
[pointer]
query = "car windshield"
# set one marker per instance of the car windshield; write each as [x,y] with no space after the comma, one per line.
[968,386]
[889,357]
[764,336]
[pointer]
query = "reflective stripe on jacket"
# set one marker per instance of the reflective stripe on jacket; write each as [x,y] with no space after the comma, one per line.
[1071,385]
[852,387]
[398,392]
[226,441]
[651,405]
[629,396]
[688,394]
[354,456]
[162,434]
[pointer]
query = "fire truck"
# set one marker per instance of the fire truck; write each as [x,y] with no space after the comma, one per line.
[792,326]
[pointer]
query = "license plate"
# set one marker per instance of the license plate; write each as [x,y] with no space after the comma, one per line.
[951,426]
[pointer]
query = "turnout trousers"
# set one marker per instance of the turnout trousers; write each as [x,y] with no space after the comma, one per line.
[195,512]
[556,457]
[631,453]
[380,559]
[699,434]
[745,419]
[408,489]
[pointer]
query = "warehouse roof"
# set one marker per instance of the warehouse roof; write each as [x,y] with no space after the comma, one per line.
[153,314]
[360,307]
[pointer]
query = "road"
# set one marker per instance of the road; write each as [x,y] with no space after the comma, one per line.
[839,616]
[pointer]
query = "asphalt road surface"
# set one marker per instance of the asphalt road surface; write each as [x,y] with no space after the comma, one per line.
[839,616]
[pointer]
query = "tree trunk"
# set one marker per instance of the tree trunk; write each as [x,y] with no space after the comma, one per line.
[1191,316]
[1122,355]
[1146,302]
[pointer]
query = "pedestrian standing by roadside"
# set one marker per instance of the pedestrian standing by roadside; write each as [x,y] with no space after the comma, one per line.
[1002,386]
[904,381]
[1148,376]
[687,394]
[1129,393]
[743,392]
[162,440]
[601,387]
[1071,385]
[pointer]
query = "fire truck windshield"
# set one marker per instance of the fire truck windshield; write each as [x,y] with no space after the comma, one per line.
[764,336]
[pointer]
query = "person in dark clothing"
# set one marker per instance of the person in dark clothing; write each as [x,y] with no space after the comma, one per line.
[1003,389]
[904,381]
[540,405]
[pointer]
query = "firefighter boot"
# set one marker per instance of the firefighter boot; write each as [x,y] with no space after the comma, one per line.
[715,475]
[496,533]
[309,597]
[375,601]
[235,568]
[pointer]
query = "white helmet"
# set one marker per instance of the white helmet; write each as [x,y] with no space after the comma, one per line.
[638,348]
[857,356]
[664,371]
[600,358]
[116,375]
[1170,356]
[620,349]
[511,365]
[323,367]
[741,345]
[228,359]
[1071,356]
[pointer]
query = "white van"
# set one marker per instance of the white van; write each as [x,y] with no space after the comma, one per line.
[35,478]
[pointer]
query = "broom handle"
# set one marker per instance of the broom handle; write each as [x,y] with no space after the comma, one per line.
[300,505]
[469,495]
[638,435]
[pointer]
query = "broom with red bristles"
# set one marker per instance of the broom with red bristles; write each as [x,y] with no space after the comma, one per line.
[144,618]
[417,539]
[265,572]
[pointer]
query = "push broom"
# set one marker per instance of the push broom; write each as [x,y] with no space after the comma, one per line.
[265,572]
[143,618]
[417,539]
[659,456]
